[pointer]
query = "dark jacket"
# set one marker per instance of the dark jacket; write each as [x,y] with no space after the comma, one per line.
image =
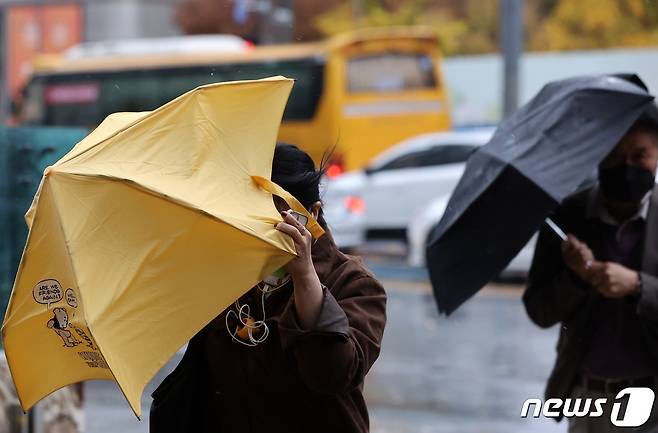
[555,295]
[297,380]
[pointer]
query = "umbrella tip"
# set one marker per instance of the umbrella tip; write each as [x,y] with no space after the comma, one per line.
[47,171]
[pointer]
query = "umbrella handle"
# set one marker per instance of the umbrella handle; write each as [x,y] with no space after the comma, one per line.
[312,225]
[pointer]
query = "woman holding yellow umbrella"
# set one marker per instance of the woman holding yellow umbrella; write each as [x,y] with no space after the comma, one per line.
[155,223]
[291,355]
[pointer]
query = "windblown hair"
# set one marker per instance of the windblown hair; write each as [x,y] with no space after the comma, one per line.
[294,170]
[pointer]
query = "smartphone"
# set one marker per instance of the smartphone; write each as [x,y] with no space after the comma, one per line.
[303,219]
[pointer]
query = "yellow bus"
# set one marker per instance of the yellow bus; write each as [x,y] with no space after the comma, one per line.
[360,92]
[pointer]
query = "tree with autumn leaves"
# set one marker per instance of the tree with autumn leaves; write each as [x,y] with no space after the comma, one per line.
[581,24]
[462,26]
[471,26]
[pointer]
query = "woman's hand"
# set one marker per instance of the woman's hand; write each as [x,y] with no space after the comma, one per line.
[301,265]
[307,287]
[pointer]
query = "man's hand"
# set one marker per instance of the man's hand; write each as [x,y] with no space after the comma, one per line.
[577,256]
[613,280]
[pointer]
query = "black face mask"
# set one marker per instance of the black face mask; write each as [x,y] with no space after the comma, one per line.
[625,183]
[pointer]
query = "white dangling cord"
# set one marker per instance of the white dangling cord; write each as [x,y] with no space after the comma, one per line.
[243,316]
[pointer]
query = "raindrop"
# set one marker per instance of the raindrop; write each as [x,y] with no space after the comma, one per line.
[116,86]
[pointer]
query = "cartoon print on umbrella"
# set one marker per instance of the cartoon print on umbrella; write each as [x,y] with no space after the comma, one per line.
[49,291]
[59,323]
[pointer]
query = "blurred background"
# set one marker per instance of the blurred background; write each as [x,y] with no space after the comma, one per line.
[400,91]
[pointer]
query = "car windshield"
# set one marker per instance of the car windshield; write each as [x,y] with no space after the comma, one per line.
[434,156]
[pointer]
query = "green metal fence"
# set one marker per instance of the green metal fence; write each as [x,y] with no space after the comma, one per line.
[24,154]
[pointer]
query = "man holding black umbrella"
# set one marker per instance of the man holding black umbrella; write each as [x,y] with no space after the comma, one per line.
[601,284]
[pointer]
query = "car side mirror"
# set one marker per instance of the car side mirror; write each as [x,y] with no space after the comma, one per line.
[369,170]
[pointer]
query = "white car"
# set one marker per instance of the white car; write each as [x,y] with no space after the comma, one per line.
[403,194]
[380,201]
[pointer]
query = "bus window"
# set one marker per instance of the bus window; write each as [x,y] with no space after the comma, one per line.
[309,81]
[390,72]
[389,89]
[85,99]
[29,108]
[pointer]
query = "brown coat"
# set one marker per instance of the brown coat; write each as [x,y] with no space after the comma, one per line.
[297,380]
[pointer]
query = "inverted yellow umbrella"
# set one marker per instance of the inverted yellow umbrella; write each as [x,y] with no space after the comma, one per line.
[142,234]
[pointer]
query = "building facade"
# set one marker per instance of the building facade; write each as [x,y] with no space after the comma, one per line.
[30,27]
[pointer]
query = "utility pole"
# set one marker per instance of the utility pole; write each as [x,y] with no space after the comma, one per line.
[511,46]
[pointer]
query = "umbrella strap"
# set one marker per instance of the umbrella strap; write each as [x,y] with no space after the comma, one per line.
[312,225]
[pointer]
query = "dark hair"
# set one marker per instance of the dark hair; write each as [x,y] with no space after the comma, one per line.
[648,121]
[294,170]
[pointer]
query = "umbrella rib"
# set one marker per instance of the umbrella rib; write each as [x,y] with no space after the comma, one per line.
[114,134]
[236,161]
[512,162]
[84,314]
[172,199]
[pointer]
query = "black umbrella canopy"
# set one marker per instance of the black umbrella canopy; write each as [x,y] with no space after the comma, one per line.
[536,158]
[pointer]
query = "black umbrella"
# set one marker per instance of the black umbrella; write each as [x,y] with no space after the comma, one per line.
[536,158]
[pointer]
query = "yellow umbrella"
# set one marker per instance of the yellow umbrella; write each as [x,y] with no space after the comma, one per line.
[142,234]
